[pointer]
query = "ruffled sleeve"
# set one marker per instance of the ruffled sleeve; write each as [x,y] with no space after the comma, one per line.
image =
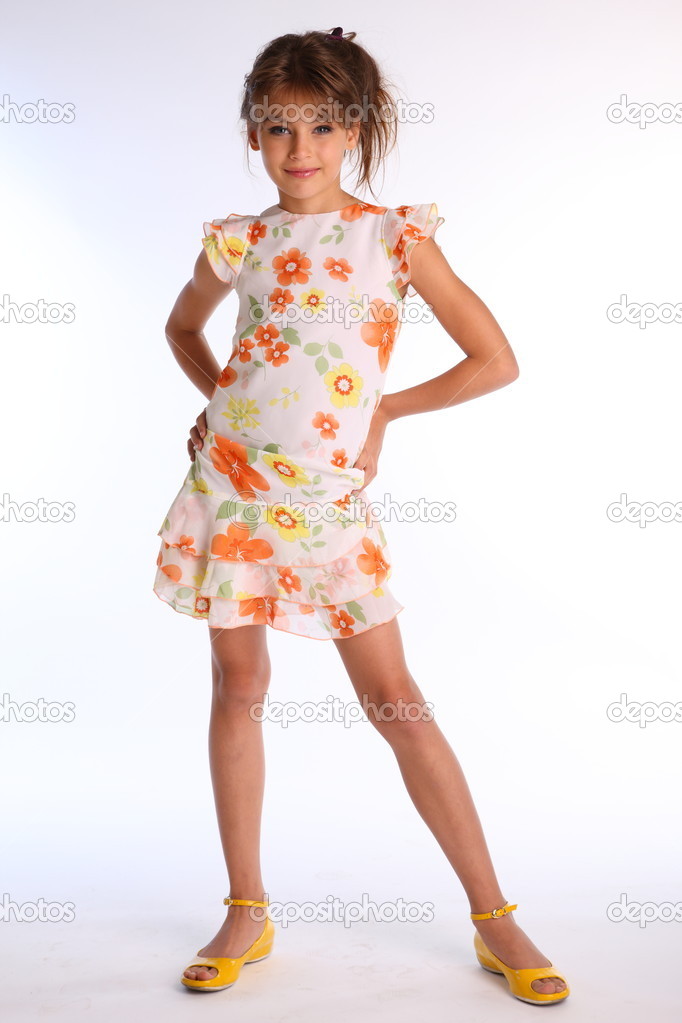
[405,227]
[227,242]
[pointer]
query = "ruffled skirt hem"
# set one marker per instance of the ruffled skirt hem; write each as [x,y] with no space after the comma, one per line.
[314,621]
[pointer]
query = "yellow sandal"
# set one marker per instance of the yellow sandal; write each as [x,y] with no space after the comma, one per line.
[519,980]
[228,969]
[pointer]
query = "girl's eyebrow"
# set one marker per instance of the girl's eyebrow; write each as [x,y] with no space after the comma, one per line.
[322,116]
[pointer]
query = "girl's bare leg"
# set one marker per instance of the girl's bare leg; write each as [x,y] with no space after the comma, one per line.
[375,663]
[241,676]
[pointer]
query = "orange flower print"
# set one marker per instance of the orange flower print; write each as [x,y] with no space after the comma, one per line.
[238,545]
[266,335]
[227,377]
[340,458]
[326,423]
[185,545]
[288,579]
[173,572]
[292,267]
[229,457]
[277,355]
[343,622]
[343,502]
[353,212]
[373,562]
[256,230]
[263,609]
[245,347]
[338,268]
[202,605]
[279,300]
[382,333]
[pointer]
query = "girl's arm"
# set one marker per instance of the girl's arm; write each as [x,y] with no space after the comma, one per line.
[489,363]
[193,307]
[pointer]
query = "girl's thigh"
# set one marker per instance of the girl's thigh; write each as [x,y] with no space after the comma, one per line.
[376,666]
[240,656]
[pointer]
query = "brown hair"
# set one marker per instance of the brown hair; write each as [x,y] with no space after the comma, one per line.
[316,66]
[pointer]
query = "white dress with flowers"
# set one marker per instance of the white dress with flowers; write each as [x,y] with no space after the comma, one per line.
[266,528]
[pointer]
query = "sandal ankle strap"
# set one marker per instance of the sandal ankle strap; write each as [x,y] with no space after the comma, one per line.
[243,902]
[501,911]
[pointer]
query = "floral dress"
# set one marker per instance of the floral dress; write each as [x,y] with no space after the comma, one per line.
[270,525]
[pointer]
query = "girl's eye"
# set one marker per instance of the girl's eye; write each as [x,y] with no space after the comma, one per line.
[275,131]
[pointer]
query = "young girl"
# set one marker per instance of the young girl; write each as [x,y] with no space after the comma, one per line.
[269,527]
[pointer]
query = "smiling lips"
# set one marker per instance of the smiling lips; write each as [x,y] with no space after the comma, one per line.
[303,173]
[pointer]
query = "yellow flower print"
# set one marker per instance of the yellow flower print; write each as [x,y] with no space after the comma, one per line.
[313,299]
[289,522]
[201,486]
[231,248]
[240,412]
[290,473]
[345,385]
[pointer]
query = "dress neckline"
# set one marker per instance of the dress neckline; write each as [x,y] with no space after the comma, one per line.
[325,213]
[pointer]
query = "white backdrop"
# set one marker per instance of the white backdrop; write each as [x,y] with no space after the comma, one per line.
[524,620]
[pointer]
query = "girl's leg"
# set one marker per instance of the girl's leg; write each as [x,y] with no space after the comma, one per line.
[241,676]
[375,663]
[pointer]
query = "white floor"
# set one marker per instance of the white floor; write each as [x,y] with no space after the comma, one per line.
[124,964]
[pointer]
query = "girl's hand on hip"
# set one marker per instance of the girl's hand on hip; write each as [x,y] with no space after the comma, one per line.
[196,434]
[368,459]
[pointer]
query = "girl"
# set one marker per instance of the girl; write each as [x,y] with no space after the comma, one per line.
[299,413]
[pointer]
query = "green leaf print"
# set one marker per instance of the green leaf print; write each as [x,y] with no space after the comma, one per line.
[225,589]
[166,524]
[313,348]
[311,592]
[356,610]
[321,365]
[272,447]
[184,592]
[228,509]
[319,527]
[291,336]
[335,350]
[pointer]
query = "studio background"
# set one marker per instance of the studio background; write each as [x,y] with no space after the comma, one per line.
[524,620]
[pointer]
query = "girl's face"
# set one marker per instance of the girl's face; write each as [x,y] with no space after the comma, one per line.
[295,137]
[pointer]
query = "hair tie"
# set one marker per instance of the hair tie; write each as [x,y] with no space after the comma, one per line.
[336,33]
